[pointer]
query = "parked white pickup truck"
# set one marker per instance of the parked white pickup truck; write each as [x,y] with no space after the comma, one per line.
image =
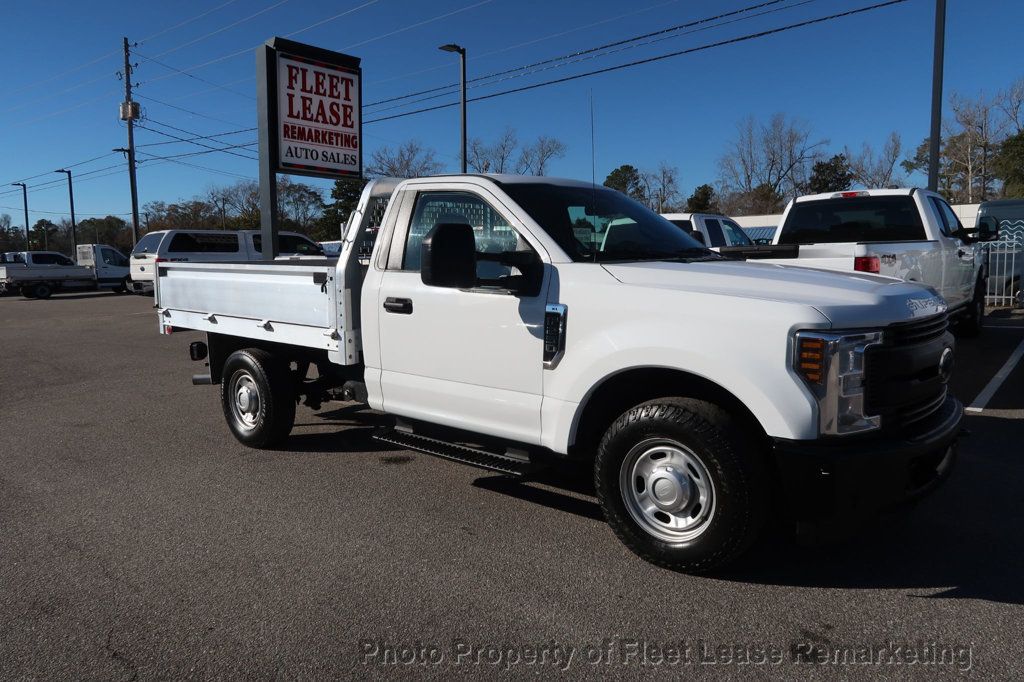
[910,234]
[711,229]
[39,274]
[498,331]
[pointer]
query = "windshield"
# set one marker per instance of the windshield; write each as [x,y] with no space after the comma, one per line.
[596,224]
[855,219]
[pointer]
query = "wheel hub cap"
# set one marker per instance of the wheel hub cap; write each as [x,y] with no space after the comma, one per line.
[246,403]
[667,490]
[671,489]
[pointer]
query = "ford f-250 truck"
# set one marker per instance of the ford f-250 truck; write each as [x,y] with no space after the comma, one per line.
[487,319]
[38,274]
[910,234]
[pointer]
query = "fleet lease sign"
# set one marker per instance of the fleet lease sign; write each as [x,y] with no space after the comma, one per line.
[318,113]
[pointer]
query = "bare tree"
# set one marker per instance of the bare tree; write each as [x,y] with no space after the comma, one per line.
[496,158]
[408,160]
[873,170]
[534,158]
[972,141]
[1011,104]
[661,187]
[769,159]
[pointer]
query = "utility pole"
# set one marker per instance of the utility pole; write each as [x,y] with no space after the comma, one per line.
[130,112]
[24,199]
[71,199]
[936,132]
[461,51]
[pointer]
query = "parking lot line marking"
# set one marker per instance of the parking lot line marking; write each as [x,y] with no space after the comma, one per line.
[996,381]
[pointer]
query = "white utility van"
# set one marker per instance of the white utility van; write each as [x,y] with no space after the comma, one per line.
[204,246]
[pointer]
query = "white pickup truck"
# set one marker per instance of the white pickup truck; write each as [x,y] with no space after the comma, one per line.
[482,313]
[39,274]
[711,229]
[910,234]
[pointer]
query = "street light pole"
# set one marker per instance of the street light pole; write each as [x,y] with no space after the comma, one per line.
[24,199]
[936,132]
[452,47]
[71,199]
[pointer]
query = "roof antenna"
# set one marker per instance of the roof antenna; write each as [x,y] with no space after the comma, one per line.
[593,152]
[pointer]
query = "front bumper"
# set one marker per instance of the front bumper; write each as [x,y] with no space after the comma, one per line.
[836,480]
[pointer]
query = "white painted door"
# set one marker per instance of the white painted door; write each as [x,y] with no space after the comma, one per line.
[465,358]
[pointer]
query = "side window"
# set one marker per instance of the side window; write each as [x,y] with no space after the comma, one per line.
[714,229]
[949,222]
[111,257]
[736,234]
[196,242]
[492,232]
[686,225]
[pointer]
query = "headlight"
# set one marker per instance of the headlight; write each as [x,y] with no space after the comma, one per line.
[832,366]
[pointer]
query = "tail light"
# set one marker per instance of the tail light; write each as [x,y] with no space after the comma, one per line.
[159,260]
[867,264]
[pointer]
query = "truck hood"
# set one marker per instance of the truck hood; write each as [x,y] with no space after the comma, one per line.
[854,299]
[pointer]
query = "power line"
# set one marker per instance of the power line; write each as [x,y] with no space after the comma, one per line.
[158,160]
[39,210]
[100,59]
[223,28]
[200,137]
[478,57]
[193,76]
[192,141]
[599,48]
[590,54]
[187,21]
[208,151]
[648,60]
[416,25]
[187,111]
[66,165]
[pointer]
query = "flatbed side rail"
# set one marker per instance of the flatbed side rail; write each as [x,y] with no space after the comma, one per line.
[290,302]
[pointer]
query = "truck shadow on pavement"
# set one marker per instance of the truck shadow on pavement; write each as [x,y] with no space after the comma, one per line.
[351,430]
[963,542]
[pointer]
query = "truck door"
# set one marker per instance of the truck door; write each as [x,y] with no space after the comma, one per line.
[111,266]
[958,257]
[469,358]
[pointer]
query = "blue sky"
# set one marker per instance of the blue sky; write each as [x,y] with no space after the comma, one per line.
[853,80]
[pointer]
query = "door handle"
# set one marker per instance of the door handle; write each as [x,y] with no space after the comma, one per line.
[960,253]
[402,306]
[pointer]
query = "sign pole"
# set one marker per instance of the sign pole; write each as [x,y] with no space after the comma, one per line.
[266,105]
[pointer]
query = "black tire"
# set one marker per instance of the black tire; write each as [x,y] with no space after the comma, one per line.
[42,290]
[727,452]
[973,320]
[268,422]
[123,288]
[27,292]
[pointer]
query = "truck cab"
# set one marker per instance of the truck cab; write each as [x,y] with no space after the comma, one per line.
[711,229]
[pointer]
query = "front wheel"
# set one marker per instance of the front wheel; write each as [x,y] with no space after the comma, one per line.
[974,319]
[680,485]
[258,398]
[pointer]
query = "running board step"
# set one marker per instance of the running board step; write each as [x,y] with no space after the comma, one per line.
[506,463]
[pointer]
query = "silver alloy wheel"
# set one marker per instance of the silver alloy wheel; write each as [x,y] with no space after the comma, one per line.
[667,490]
[245,400]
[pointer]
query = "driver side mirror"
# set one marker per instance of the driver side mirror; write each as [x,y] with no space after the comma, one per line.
[699,236]
[448,257]
[987,229]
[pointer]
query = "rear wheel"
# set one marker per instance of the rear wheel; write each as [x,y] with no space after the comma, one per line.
[42,290]
[258,398]
[680,485]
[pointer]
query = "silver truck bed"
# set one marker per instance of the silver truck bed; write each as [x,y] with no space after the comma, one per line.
[286,301]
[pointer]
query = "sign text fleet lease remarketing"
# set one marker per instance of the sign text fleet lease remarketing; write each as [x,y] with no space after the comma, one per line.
[318,114]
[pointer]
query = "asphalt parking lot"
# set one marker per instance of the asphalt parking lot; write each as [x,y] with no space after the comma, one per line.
[138,539]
